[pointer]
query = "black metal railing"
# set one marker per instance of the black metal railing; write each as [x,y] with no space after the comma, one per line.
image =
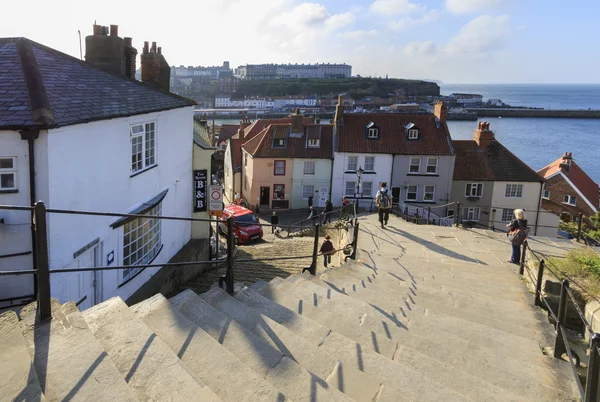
[42,269]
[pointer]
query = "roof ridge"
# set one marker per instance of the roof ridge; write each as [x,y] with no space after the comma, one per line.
[39,104]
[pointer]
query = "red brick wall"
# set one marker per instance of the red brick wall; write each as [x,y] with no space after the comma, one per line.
[558,188]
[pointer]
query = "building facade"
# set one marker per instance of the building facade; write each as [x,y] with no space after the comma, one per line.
[293,71]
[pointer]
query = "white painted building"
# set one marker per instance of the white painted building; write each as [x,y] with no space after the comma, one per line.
[281,102]
[222,101]
[119,146]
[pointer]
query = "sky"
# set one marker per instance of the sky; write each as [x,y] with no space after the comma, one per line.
[452,41]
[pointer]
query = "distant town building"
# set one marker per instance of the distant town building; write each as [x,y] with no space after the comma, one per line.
[289,71]
[466,99]
[214,72]
[568,188]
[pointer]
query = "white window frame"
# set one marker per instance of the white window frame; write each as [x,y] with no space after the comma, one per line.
[352,158]
[425,192]
[143,135]
[314,143]
[570,199]
[352,187]
[369,185]
[546,194]
[507,212]
[10,171]
[475,214]
[416,192]
[437,162]
[307,170]
[413,134]
[410,165]
[373,133]
[478,187]
[147,242]
[372,168]
[518,190]
[308,190]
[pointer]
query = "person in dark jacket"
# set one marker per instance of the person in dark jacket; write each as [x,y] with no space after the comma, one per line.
[274,221]
[520,222]
[328,211]
[327,250]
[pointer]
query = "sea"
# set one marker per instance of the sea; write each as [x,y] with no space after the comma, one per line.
[536,141]
[540,141]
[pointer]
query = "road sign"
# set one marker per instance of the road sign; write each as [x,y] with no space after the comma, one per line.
[215,202]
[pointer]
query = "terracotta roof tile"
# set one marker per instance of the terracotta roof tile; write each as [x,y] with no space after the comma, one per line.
[577,175]
[261,146]
[434,138]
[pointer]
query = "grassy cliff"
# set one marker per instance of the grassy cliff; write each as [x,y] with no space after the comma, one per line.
[356,87]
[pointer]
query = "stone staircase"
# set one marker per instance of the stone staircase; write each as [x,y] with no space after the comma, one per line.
[425,314]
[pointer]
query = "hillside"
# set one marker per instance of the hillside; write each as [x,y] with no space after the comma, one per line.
[356,87]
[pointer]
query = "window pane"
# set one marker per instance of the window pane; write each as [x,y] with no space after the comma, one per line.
[7,180]
[432,165]
[367,188]
[428,193]
[309,167]
[414,165]
[350,188]
[507,215]
[141,241]
[352,162]
[6,163]
[308,191]
[369,163]
[411,193]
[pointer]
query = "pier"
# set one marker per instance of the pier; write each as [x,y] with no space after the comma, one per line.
[517,112]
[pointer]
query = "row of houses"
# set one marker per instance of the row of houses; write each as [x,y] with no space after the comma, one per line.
[85,135]
[284,163]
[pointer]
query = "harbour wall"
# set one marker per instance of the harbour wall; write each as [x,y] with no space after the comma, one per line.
[574,114]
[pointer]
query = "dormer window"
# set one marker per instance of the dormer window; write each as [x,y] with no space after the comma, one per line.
[413,134]
[372,131]
[279,143]
[314,143]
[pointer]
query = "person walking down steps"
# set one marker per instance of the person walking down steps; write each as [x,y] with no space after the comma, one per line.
[327,250]
[517,234]
[383,202]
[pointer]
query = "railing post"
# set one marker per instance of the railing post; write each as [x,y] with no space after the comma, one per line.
[592,391]
[43,269]
[354,242]
[559,346]
[580,218]
[230,250]
[522,262]
[458,213]
[313,265]
[538,286]
[428,215]
[406,213]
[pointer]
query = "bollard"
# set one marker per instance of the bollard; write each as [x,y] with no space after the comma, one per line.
[559,345]
[42,268]
[354,242]
[538,286]
[428,215]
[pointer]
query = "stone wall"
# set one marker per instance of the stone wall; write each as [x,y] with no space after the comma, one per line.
[168,279]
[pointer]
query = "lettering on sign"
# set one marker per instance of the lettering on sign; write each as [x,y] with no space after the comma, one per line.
[216,200]
[200,190]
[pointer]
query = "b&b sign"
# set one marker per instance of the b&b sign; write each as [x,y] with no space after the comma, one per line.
[200,190]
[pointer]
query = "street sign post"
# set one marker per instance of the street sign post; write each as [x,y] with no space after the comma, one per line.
[215,202]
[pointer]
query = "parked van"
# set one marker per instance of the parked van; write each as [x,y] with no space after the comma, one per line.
[246,228]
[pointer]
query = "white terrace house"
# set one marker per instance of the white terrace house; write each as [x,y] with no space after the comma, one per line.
[82,139]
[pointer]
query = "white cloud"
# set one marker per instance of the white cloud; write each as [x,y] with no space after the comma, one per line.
[395,7]
[359,34]
[409,21]
[304,14]
[420,49]
[338,21]
[472,6]
[481,35]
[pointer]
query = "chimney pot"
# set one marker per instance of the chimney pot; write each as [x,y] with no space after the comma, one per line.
[146,46]
[97,29]
[128,42]
[159,50]
[114,30]
[153,49]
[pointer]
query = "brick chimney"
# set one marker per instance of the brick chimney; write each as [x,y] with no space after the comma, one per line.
[243,124]
[440,110]
[110,53]
[483,136]
[155,69]
[297,126]
[565,164]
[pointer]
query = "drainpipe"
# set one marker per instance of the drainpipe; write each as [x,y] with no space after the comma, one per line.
[331,182]
[30,136]
[537,217]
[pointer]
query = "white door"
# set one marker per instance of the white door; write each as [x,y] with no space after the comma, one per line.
[323,195]
[81,284]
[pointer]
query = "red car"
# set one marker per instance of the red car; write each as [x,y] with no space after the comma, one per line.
[246,228]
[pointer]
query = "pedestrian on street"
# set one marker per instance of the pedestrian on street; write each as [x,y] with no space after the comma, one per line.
[328,211]
[383,202]
[346,205]
[517,233]
[274,221]
[327,250]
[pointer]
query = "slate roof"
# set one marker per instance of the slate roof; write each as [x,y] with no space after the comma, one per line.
[296,147]
[434,138]
[583,182]
[497,163]
[43,88]
[201,134]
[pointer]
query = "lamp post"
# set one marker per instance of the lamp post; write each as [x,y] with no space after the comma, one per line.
[359,173]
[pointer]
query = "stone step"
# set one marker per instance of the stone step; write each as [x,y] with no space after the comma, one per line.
[339,375]
[550,371]
[148,365]
[203,355]
[395,374]
[69,362]
[283,373]
[18,379]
